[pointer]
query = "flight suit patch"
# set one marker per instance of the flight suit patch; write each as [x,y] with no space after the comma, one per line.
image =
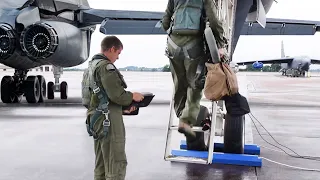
[110,67]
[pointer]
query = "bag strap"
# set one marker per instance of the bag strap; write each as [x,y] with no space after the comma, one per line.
[103,102]
[227,82]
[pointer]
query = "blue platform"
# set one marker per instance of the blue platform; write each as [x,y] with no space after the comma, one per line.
[222,158]
[249,158]
[218,147]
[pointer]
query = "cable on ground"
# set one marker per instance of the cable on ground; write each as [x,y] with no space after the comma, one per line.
[295,156]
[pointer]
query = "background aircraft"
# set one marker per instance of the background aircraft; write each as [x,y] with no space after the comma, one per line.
[290,66]
[58,33]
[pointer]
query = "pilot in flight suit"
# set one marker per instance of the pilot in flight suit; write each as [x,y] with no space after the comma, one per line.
[184,63]
[111,161]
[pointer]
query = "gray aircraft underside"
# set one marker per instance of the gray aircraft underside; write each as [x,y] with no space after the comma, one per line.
[298,63]
[58,32]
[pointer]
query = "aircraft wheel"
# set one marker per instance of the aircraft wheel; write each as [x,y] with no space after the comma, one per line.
[233,134]
[50,90]
[199,143]
[32,89]
[64,90]
[7,89]
[43,88]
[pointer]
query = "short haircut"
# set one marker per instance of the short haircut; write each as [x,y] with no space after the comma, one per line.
[110,41]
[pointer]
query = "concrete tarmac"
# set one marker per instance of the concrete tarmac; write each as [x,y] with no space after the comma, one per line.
[49,141]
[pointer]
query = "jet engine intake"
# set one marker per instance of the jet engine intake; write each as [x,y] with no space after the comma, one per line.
[7,41]
[39,40]
[56,43]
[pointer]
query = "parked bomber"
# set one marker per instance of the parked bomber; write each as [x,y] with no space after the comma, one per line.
[295,66]
[58,33]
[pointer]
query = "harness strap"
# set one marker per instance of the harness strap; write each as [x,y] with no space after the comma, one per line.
[101,109]
[185,48]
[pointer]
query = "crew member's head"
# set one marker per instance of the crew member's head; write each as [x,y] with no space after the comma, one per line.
[111,47]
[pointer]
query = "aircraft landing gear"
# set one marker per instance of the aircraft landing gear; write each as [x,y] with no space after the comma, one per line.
[14,87]
[56,86]
[284,72]
[8,94]
[294,73]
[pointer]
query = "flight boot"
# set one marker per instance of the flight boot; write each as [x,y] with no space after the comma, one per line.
[186,130]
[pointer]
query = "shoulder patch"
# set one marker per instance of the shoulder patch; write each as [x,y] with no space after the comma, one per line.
[110,67]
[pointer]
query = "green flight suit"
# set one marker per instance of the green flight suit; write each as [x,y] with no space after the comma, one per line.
[111,161]
[183,68]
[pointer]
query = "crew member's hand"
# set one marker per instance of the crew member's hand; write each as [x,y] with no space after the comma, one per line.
[137,97]
[132,108]
[222,52]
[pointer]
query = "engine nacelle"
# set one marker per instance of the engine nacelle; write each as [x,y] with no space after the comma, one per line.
[54,42]
[7,41]
[257,65]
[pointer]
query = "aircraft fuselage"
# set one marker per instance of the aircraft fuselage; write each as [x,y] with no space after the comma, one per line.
[32,37]
[41,32]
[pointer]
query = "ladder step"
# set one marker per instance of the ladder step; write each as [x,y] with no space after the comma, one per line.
[187,159]
[195,128]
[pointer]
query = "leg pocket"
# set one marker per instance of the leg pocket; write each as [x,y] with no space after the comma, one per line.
[119,151]
[119,167]
[115,159]
[196,52]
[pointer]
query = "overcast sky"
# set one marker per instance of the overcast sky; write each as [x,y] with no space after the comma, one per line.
[248,48]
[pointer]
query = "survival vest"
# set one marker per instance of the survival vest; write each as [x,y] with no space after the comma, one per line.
[90,86]
[187,18]
[87,82]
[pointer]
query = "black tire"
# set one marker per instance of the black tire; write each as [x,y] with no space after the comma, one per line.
[233,134]
[199,143]
[50,90]
[7,89]
[43,88]
[64,90]
[32,89]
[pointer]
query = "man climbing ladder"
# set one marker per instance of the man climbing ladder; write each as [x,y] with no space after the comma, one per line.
[217,38]
[185,50]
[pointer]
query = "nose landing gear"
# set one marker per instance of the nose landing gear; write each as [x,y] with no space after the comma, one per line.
[57,87]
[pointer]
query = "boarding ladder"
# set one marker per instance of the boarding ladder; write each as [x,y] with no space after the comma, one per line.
[217,110]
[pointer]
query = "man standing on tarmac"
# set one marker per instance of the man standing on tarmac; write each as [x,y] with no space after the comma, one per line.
[184,21]
[111,161]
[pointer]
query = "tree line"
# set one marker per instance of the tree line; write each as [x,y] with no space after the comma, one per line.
[265,68]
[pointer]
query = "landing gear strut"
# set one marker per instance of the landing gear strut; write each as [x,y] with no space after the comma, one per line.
[295,73]
[56,86]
